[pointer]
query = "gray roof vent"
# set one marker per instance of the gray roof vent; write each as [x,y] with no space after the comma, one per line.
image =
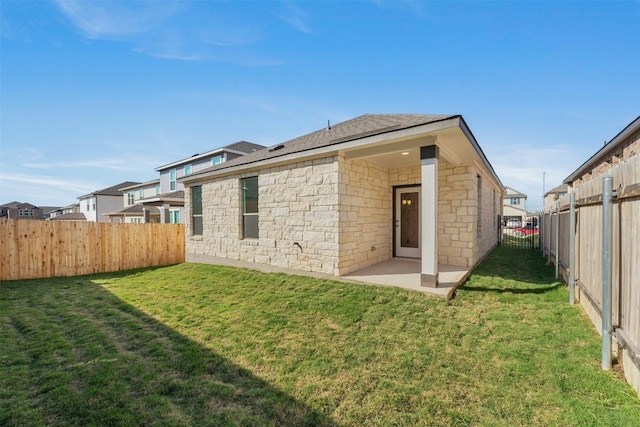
[276,148]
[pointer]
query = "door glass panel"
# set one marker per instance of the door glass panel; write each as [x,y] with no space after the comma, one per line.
[409,220]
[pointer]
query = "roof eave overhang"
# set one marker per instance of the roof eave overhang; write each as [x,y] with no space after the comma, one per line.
[604,152]
[159,201]
[368,143]
[347,146]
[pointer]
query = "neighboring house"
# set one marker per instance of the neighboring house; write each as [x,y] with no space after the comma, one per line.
[50,211]
[554,194]
[169,199]
[19,210]
[514,209]
[624,145]
[69,213]
[352,195]
[94,206]
[134,211]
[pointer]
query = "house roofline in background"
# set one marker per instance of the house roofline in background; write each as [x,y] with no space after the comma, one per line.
[203,155]
[604,151]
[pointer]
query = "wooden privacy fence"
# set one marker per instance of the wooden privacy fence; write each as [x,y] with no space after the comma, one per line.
[588,250]
[37,249]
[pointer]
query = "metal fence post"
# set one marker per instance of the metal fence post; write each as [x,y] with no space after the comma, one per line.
[607,246]
[572,249]
[557,230]
[548,243]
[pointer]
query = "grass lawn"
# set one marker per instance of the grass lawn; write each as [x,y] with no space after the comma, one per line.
[205,345]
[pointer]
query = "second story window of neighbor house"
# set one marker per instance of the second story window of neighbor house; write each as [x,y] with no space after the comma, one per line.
[172,180]
[157,189]
[250,208]
[196,210]
[130,198]
[187,170]
[515,200]
[216,160]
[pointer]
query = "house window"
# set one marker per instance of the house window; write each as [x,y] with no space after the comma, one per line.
[88,205]
[93,203]
[479,226]
[515,200]
[130,198]
[187,170]
[25,212]
[250,208]
[216,160]
[196,210]
[157,189]
[140,194]
[174,217]
[172,180]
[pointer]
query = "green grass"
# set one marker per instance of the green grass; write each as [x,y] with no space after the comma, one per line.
[206,345]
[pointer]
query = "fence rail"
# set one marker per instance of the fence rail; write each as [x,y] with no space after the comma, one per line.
[522,235]
[588,249]
[37,249]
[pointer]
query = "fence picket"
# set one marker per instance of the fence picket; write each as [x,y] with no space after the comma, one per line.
[37,249]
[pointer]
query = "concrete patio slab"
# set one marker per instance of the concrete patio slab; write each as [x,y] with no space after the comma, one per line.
[399,272]
[405,273]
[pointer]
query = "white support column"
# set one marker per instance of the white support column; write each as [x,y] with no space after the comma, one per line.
[429,214]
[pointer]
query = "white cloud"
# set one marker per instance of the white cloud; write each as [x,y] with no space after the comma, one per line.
[296,17]
[183,31]
[115,19]
[42,190]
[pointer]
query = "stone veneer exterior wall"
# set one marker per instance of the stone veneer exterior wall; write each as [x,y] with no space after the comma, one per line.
[340,213]
[365,215]
[298,203]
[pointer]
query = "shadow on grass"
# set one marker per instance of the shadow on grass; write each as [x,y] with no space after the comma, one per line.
[513,270]
[75,354]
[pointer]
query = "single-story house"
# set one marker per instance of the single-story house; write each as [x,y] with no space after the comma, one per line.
[352,195]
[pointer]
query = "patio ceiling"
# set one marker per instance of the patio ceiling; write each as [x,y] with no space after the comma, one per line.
[453,144]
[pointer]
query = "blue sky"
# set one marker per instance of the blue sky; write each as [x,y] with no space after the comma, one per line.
[93,93]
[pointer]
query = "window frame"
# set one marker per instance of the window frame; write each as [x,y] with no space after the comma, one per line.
[197,223]
[174,216]
[173,184]
[249,225]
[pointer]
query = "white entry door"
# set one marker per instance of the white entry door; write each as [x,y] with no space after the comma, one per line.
[407,241]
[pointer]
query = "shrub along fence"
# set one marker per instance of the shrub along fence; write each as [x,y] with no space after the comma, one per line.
[575,239]
[37,249]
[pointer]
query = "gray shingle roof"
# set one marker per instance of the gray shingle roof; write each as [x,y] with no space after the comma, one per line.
[114,190]
[136,209]
[244,146]
[359,127]
[69,217]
